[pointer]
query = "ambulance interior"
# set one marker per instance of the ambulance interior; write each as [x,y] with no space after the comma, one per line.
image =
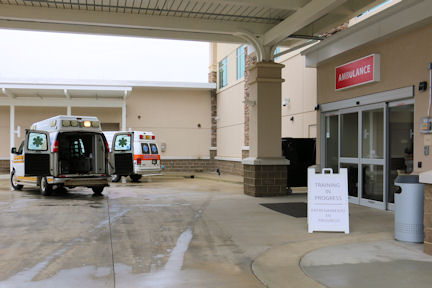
[81,153]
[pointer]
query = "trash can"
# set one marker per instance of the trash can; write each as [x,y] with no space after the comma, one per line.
[408,209]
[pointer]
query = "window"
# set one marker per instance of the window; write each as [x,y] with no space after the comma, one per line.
[223,73]
[123,143]
[20,149]
[145,148]
[37,142]
[77,148]
[241,61]
[277,51]
[154,148]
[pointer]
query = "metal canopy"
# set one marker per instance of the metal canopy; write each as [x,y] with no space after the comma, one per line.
[262,23]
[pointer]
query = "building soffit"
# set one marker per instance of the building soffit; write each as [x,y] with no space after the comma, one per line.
[396,19]
[62,95]
[262,23]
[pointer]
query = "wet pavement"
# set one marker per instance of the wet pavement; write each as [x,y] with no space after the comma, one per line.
[176,232]
[157,234]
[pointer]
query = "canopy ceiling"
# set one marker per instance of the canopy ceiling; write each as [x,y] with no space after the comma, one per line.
[263,23]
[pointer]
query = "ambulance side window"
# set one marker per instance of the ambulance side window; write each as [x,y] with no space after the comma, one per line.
[145,148]
[122,143]
[20,149]
[154,148]
[37,142]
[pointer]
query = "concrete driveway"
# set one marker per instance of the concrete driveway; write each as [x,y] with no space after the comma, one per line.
[172,232]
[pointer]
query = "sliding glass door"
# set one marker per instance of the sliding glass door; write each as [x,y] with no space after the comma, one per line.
[361,149]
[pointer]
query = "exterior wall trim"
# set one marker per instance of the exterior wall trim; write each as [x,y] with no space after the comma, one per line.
[390,95]
[267,161]
[223,158]
[185,158]
[393,19]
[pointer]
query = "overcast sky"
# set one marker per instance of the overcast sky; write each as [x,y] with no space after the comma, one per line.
[25,54]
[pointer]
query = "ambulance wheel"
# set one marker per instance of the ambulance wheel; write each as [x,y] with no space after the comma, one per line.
[97,190]
[115,178]
[14,182]
[135,177]
[45,188]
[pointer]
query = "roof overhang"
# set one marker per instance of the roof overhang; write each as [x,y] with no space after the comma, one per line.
[262,23]
[83,93]
[399,18]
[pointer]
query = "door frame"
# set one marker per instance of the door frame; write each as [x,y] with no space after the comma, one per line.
[404,102]
[386,99]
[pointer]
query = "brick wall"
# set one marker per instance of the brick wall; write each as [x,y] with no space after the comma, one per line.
[195,165]
[4,166]
[428,219]
[229,167]
[213,100]
[265,180]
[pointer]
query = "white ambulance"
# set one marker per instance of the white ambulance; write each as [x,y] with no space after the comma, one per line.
[62,151]
[143,151]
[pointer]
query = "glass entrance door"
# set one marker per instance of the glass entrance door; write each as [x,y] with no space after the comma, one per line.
[349,151]
[375,144]
[372,160]
[401,143]
[361,149]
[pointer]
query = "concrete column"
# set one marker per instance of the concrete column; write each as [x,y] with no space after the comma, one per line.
[123,125]
[12,125]
[265,170]
[69,110]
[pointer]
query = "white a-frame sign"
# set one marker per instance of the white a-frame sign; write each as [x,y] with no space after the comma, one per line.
[328,201]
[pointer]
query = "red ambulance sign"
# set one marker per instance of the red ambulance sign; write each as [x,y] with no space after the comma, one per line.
[358,72]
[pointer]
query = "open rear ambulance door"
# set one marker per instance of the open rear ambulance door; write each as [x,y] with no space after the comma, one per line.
[122,150]
[37,153]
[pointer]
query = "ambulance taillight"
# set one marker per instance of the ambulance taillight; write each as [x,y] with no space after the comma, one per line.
[138,161]
[56,146]
[106,145]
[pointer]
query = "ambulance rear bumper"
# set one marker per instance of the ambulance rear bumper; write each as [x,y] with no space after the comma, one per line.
[81,181]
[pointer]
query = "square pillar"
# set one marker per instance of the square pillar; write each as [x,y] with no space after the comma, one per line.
[265,170]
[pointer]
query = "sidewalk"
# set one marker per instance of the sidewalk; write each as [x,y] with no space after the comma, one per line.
[365,258]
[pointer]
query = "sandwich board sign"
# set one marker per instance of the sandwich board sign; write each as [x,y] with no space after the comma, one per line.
[328,201]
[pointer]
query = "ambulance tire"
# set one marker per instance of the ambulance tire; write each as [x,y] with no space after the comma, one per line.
[97,190]
[14,183]
[135,177]
[115,178]
[45,188]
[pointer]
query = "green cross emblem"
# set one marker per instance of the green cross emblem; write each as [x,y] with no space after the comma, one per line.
[122,142]
[37,141]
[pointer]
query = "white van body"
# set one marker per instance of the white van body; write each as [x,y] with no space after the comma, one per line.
[143,149]
[67,151]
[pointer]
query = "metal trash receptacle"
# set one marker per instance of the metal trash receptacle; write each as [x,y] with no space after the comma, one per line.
[408,209]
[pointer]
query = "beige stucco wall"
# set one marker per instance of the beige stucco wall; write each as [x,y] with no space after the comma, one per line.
[230,52]
[230,123]
[4,131]
[404,60]
[299,89]
[26,116]
[173,115]
[105,115]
